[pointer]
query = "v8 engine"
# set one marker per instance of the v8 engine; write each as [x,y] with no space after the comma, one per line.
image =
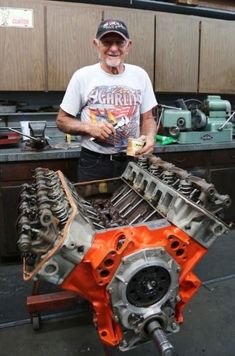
[128,245]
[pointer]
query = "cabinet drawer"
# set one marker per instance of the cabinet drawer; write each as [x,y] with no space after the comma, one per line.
[9,213]
[222,157]
[16,171]
[186,159]
[23,171]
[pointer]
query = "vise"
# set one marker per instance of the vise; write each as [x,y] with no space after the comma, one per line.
[204,122]
[37,135]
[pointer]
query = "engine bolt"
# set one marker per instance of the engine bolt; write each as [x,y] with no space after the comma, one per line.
[174,326]
[116,317]
[124,343]
[178,298]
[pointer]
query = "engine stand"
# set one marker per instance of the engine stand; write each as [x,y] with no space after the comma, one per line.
[38,303]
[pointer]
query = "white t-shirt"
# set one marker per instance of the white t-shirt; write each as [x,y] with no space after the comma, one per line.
[119,99]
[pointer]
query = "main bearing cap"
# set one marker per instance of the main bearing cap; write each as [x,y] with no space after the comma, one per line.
[144,282]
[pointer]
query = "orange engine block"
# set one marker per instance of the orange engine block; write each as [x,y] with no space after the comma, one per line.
[128,245]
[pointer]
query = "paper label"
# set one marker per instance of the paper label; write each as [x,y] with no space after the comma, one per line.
[13,17]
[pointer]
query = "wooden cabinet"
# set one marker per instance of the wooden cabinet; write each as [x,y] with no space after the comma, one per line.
[187,160]
[69,38]
[141,30]
[176,53]
[22,59]
[12,176]
[181,53]
[218,4]
[44,57]
[217,62]
[70,31]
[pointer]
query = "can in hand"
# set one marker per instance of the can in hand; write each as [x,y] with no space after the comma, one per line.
[134,145]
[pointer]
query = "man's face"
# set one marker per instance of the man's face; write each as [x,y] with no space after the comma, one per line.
[112,49]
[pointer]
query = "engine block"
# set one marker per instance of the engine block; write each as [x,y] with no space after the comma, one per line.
[128,245]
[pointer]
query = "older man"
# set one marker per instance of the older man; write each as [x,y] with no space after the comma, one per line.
[114,101]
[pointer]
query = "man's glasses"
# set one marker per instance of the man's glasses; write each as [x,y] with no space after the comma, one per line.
[109,42]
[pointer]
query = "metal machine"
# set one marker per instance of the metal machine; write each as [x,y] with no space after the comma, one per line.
[37,138]
[128,245]
[195,122]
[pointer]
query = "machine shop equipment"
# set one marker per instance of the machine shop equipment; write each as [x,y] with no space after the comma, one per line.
[128,245]
[199,122]
[37,135]
[37,139]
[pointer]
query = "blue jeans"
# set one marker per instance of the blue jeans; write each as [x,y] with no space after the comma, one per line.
[94,166]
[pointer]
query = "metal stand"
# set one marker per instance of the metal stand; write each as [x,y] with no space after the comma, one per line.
[108,351]
[37,303]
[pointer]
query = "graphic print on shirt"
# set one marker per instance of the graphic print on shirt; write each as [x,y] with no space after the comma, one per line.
[118,105]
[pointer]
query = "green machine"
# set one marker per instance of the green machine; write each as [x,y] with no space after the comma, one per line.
[193,121]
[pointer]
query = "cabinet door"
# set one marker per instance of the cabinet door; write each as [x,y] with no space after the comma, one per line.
[223,179]
[141,30]
[70,31]
[22,50]
[217,4]
[9,200]
[217,62]
[177,46]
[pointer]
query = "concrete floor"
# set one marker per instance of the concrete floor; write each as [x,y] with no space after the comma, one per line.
[208,329]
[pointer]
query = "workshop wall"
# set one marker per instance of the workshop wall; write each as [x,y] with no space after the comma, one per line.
[181,59]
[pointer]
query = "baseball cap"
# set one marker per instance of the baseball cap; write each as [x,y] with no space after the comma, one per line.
[109,26]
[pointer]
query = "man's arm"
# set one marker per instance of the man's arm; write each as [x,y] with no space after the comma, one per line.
[148,132]
[69,124]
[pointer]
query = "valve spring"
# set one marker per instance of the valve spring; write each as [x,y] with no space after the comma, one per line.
[185,187]
[143,162]
[56,194]
[24,243]
[155,170]
[61,210]
[62,213]
[51,174]
[53,183]
[168,177]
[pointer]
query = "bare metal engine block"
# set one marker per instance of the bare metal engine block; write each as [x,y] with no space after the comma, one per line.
[128,245]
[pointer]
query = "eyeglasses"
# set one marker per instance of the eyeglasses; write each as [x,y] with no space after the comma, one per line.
[108,42]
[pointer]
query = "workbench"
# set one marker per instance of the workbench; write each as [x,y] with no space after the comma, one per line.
[214,162]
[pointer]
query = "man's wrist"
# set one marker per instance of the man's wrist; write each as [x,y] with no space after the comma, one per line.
[150,137]
[84,128]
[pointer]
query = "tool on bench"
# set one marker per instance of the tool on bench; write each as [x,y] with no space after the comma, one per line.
[193,121]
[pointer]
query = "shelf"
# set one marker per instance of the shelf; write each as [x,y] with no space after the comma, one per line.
[28,113]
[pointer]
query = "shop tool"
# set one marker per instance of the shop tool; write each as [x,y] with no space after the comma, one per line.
[192,121]
[128,245]
[37,139]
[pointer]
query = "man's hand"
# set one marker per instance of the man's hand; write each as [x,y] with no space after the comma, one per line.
[148,146]
[69,124]
[148,133]
[100,130]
